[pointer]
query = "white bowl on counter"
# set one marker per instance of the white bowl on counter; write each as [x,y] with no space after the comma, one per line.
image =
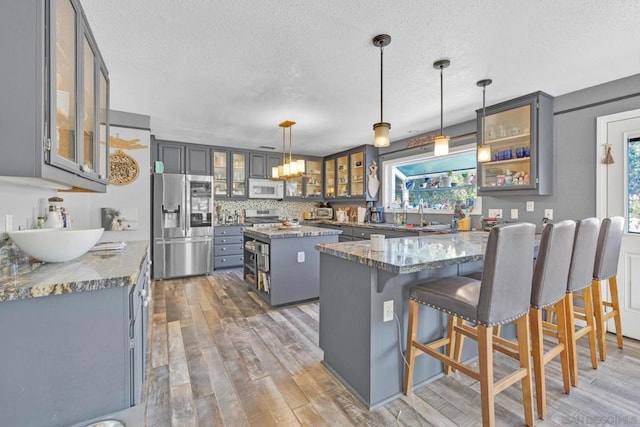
[56,244]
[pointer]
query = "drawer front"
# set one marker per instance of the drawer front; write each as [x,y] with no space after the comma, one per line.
[227,240]
[228,231]
[235,249]
[227,261]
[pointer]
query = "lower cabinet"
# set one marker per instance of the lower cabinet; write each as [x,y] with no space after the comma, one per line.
[227,246]
[73,357]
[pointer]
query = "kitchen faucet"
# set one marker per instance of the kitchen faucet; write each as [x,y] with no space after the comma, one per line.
[421,212]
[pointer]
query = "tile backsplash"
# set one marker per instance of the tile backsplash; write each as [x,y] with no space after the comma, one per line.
[288,209]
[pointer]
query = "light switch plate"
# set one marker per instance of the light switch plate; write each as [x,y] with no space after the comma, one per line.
[530,206]
[495,213]
[300,256]
[514,213]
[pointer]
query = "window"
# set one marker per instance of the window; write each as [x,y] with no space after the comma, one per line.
[436,183]
[633,185]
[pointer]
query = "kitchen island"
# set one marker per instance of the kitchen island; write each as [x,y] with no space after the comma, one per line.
[281,264]
[73,337]
[361,349]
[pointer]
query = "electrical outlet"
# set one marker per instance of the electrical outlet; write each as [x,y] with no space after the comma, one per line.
[387,309]
[548,213]
[300,257]
[495,213]
[530,206]
[514,213]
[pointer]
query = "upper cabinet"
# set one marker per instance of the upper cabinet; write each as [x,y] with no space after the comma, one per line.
[520,135]
[55,96]
[260,164]
[183,158]
[308,185]
[346,174]
[230,171]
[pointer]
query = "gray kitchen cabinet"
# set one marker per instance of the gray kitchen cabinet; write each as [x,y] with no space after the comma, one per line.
[230,171]
[261,164]
[55,96]
[78,355]
[519,133]
[347,173]
[309,185]
[227,246]
[179,157]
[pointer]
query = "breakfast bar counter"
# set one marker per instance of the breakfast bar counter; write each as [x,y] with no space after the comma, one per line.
[361,349]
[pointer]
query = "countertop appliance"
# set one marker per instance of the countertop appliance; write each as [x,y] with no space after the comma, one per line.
[265,189]
[182,225]
[376,214]
[324,213]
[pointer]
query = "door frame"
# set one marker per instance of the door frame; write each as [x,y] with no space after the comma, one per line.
[602,124]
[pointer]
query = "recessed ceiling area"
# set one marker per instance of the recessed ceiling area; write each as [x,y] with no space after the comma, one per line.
[227,72]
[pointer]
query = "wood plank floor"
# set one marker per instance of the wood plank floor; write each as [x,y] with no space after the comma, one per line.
[219,356]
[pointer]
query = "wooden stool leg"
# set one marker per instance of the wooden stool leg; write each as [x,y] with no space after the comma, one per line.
[524,350]
[410,353]
[571,339]
[537,351]
[452,336]
[598,312]
[485,359]
[613,287]
[457,352]
[588,311]
[561,314]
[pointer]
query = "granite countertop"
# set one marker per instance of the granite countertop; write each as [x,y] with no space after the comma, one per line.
[90,272]
[379,226]
[285,232]
[410,254]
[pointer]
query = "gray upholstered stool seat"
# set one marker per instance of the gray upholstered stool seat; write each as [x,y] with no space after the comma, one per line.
[502,296]
[454,295]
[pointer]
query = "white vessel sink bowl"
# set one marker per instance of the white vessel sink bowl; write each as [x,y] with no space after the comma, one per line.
[56,245]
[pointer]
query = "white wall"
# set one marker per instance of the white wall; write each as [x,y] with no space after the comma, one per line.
[85,208]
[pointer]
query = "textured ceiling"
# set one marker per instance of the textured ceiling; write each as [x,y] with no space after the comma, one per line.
[227,72]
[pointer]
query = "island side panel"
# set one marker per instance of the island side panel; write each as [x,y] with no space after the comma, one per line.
[345,328]
[293,281]
[64,358]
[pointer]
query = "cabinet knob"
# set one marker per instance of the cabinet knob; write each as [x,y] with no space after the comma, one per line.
[223,249]
[224,240]
[224,260]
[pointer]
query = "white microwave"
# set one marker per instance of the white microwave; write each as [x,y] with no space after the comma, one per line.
[265,189]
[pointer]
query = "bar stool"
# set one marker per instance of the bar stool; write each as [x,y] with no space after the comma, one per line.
[606,268]
[548,290]
[579,286]
[502,296]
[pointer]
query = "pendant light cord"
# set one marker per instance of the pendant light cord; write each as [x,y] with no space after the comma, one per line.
[441,101]
[284,149]
[381,66]
[484,114]
[290,145]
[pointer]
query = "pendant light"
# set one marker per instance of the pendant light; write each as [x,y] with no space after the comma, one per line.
[441,146]
[381,130]
[288,169]
[484,150]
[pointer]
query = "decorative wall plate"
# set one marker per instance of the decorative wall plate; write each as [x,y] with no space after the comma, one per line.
[123,169]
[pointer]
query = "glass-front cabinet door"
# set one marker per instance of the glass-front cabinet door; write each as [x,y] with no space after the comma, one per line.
[357,174]
[313,183]
[65,81]
[330,178]
[219,162]
[342,163]
[239,177]
[520,135]
[79,95]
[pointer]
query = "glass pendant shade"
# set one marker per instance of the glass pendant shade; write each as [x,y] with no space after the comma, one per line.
[484,153]
[300,167]
[441,145]
[381,134]
[275,173]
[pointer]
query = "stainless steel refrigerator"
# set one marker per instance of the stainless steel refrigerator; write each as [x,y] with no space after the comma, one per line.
[182,225]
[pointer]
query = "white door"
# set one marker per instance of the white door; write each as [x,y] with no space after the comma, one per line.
[618,194]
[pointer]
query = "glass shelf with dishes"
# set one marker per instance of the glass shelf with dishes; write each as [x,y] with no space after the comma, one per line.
[519,134]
